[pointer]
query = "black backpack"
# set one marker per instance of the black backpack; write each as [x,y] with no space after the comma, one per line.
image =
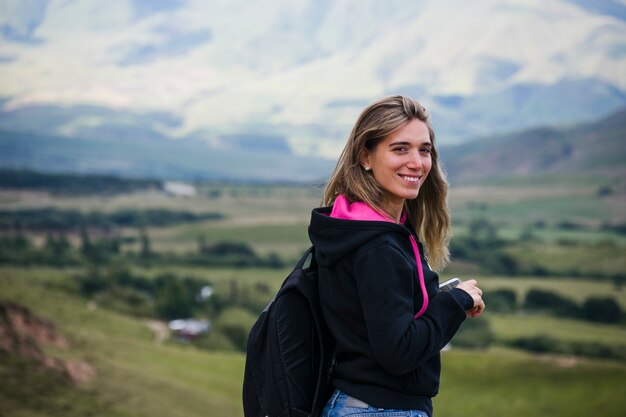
[290,350]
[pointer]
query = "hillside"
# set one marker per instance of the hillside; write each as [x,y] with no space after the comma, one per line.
[136,375]
[588,152]
[563,242]
[132,373]
[591,152]
[163,158]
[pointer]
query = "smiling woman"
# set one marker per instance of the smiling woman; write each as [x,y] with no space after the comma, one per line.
[400,164]
[378,293]
[379,166]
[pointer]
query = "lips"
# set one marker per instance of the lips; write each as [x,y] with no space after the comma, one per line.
[410,178]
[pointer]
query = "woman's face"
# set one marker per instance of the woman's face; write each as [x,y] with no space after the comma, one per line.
[400,164]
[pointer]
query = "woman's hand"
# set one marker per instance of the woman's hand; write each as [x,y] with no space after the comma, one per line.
[470,287]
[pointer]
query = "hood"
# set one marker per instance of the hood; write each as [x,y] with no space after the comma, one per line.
[338,230]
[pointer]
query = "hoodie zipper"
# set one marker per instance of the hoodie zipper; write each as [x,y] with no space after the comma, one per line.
[420,274]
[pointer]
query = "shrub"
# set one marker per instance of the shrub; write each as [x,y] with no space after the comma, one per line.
[604,191]
[482,230]
[174,300]
[569,225]
[215,341]
[551,302]
[547,344]
[92,282]
[235,323]
[602,309]
[616,228]
[619,280]
[501,301]
[540,344]
[500,263]
[229,248]
[474,333]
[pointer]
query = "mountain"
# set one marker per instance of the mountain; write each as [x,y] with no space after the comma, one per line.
[157,157]
[583,152]
[296,73]
[591,150]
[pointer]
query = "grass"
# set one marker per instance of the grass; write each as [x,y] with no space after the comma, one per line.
[274,219]
[510,327]
[287,239]
[527,204]
[577,290]
[554,235]
[137,377]
[604,257]
[501,382]
[272,277]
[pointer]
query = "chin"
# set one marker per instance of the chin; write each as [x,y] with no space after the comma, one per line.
[412,195]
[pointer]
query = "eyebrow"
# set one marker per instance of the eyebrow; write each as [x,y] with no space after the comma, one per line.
[401,142]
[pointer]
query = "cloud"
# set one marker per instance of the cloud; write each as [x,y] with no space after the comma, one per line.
[5,59]
[172,44]
[606,7]
[19,19]
[286,66]
[147,8]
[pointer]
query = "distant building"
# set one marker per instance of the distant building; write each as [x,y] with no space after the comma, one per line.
[189,329]
[205,293]
[179,189]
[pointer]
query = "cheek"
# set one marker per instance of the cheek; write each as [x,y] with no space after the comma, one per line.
[427,165]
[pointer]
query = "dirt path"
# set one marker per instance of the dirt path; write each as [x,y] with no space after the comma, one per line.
[160,330]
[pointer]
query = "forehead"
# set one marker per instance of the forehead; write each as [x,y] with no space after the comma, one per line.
[414,132]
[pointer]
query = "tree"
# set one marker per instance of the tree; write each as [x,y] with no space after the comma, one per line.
[235,323]
[602,309]
[86,248]
[501,301]
[173,301]
[475,333]
[57,246]
[552,302]
[482,230]
[146,252]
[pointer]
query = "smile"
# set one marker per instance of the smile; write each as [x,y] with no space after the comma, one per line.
[410,179]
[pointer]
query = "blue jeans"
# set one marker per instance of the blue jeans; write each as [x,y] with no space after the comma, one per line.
[342,405]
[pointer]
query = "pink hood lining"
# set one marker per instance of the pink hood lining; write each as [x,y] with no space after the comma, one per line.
[343,209]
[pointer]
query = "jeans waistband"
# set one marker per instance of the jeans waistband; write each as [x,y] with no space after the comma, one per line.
[355,402]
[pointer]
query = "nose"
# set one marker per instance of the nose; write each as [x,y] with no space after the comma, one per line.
[415,160]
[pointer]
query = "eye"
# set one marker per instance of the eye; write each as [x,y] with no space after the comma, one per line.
[400,149]
[426,151]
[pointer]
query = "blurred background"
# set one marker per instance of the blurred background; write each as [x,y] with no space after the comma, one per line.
[159,161]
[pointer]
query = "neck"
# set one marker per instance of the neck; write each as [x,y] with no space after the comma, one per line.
[393,211]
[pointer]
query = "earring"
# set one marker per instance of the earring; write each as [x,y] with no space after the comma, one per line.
[368,169]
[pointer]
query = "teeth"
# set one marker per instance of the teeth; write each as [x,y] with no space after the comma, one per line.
[411,179]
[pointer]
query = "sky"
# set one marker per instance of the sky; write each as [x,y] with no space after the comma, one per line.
[303,69]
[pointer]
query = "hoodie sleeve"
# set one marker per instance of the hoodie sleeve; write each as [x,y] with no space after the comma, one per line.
[386,281]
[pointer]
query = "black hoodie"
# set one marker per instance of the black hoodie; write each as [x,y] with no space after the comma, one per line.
[388,337]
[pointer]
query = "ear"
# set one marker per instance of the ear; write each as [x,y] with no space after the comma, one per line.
[365,160]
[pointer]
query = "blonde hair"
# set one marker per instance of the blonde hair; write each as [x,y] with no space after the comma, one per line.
[428,212]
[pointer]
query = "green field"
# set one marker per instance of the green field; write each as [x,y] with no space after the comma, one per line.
[575,289]
[506,383]
[137,375]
